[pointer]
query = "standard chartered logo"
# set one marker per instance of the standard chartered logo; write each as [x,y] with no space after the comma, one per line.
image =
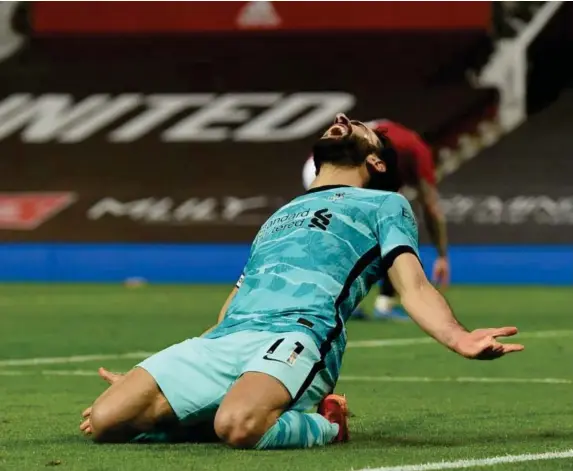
[321,219]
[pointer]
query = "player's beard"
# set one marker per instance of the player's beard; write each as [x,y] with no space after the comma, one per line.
[335,150]
[347,150]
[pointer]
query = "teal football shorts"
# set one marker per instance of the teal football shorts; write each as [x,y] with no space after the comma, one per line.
[195,375]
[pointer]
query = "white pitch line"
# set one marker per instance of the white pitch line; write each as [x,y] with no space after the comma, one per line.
[461,379]
[352,344]
[48,373]
[543,334]
[74,359]
[376,343]
[558,455]
[366,379]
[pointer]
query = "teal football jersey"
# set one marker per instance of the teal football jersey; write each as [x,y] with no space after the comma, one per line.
[315,259]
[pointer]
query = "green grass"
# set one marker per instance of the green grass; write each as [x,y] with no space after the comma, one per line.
[394,422]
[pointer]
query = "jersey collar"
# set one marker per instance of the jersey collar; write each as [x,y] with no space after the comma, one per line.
[326,187]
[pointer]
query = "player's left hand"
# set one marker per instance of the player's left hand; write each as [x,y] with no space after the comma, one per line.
[441,272]
[482,344]
[108,377]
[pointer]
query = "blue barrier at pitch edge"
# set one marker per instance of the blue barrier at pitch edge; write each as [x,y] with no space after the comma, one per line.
[213,263]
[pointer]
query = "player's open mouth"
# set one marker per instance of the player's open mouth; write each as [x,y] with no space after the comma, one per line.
[337,130]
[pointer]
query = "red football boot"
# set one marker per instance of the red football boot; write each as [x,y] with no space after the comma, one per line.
[334,408]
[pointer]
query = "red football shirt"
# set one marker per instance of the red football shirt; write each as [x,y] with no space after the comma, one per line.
[415,160]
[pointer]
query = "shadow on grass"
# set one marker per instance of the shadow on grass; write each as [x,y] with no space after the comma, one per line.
[362,440]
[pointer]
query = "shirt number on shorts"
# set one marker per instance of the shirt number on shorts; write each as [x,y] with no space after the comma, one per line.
[285,354]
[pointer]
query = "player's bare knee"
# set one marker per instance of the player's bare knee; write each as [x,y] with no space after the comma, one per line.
[239,429]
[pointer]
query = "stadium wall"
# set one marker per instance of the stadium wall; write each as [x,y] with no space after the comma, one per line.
[222,263]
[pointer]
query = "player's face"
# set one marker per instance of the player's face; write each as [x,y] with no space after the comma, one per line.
[346,141]
[344,128]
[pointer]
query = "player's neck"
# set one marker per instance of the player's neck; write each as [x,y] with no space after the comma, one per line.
[330,175]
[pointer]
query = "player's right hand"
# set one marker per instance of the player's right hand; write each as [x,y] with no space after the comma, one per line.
[482,344]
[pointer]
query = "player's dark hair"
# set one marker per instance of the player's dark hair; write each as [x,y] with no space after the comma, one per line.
[384,139]
[387,153]
[390,179]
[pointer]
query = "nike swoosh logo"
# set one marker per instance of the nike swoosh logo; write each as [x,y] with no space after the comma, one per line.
[266,357]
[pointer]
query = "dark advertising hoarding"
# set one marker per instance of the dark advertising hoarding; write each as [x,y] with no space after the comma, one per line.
[107,141]
[156,167]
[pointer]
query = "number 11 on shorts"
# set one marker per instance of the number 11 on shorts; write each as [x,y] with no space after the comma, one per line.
[284,353]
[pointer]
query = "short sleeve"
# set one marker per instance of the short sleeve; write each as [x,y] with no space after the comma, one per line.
[397,229]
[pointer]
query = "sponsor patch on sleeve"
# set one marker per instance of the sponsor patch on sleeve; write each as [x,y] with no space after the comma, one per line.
[240,280]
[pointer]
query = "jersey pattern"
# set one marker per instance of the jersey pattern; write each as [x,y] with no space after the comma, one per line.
[315,259]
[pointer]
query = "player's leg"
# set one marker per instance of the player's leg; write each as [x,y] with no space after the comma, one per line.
[359,314]
[385,300]
[167,395]
[200,432]
[254,413]
[251,407]
[173,433]
[129,407]
[386,306]
[331,407]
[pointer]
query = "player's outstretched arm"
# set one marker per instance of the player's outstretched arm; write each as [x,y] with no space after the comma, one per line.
[431,312]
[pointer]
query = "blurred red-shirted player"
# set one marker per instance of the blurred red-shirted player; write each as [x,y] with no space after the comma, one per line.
[416,166]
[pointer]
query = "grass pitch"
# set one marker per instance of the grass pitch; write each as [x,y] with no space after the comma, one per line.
[412,403]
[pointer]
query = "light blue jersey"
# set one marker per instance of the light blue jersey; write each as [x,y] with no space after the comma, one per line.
[315,259]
